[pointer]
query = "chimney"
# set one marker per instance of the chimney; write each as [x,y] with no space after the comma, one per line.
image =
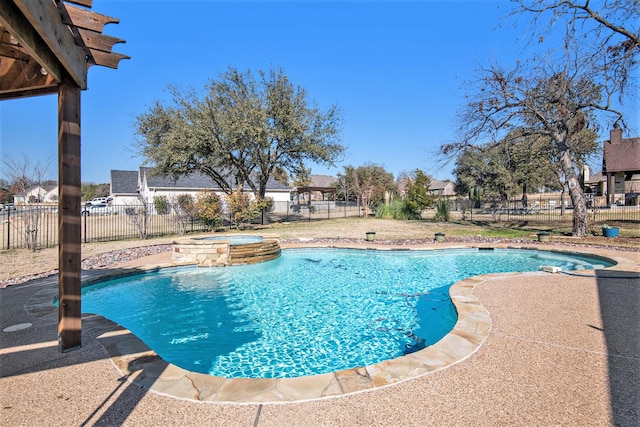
[616,135]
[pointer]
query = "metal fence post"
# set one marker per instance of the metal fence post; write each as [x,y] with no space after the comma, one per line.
[8,228]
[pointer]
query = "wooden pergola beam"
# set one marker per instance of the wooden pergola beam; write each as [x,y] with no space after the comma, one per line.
[55,48]
[20,73]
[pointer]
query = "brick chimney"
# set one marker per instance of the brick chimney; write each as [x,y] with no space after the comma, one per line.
[616,135]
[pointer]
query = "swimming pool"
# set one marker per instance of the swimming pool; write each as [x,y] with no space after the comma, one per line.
[309,312]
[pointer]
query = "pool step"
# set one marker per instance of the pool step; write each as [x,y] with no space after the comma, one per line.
[252,253]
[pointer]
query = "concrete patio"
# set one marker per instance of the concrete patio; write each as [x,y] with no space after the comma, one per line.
[559,350]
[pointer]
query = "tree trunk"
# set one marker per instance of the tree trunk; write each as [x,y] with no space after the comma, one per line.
[262,189]
[578,199]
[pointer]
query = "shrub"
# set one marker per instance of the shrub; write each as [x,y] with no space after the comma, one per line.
[260,204]
[240,208]
[185,203]
[443,210]
[161,205]
[208,209]
[397,209]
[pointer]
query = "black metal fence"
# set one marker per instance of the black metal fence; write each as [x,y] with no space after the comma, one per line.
[36,226]
[543,209]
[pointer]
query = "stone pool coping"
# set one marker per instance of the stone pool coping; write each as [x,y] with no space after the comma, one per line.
[144,367]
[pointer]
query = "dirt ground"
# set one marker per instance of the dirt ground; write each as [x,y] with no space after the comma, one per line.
[21,262]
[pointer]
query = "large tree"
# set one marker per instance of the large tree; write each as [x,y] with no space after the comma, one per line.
[509,167]
[416,194]
[243,129]
[371,182]
[560,94]
[537,103]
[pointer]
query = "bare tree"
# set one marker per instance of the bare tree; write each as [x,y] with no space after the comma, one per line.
[182,206]
[538,103]
[138,215]
[562,93]
[24,175]
[606,32]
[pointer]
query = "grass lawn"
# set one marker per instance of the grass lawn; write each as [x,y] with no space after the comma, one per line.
[355,228]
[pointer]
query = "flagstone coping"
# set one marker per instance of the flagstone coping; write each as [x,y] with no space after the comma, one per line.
[144,367]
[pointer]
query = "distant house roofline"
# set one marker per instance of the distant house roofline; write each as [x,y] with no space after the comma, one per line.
[124,180]
[621,154]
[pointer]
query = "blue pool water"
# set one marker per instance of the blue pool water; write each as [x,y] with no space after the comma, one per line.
[308,312]
[236,239]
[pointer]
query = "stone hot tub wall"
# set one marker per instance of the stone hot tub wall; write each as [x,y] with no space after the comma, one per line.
[220,253]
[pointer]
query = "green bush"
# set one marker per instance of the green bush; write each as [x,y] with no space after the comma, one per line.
[161,205]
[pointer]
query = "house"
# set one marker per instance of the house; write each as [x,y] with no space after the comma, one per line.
[595,184]
[621,166]
[442,188]
[123,187]
[135,187]
[436,188]
[38,194]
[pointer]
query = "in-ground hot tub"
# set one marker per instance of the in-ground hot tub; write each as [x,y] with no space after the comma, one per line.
[233,249]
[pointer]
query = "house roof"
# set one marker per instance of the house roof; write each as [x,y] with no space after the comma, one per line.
[438,185]
[124,182]
[196,180]
[321,180]
[623,156]
[37,188]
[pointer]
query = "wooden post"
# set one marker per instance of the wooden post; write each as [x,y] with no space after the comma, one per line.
[69,194]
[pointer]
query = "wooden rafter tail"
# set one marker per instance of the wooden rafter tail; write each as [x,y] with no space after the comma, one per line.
[105,59]
[88,20]
[98,41]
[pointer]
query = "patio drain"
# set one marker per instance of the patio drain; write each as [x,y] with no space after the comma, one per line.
[18,327]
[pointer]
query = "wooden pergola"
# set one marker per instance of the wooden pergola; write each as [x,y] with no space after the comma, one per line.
[323,190]
[47,47]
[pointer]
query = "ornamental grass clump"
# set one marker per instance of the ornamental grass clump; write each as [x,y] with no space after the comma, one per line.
[443,211]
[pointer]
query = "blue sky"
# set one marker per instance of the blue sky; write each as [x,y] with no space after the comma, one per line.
[396,69]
